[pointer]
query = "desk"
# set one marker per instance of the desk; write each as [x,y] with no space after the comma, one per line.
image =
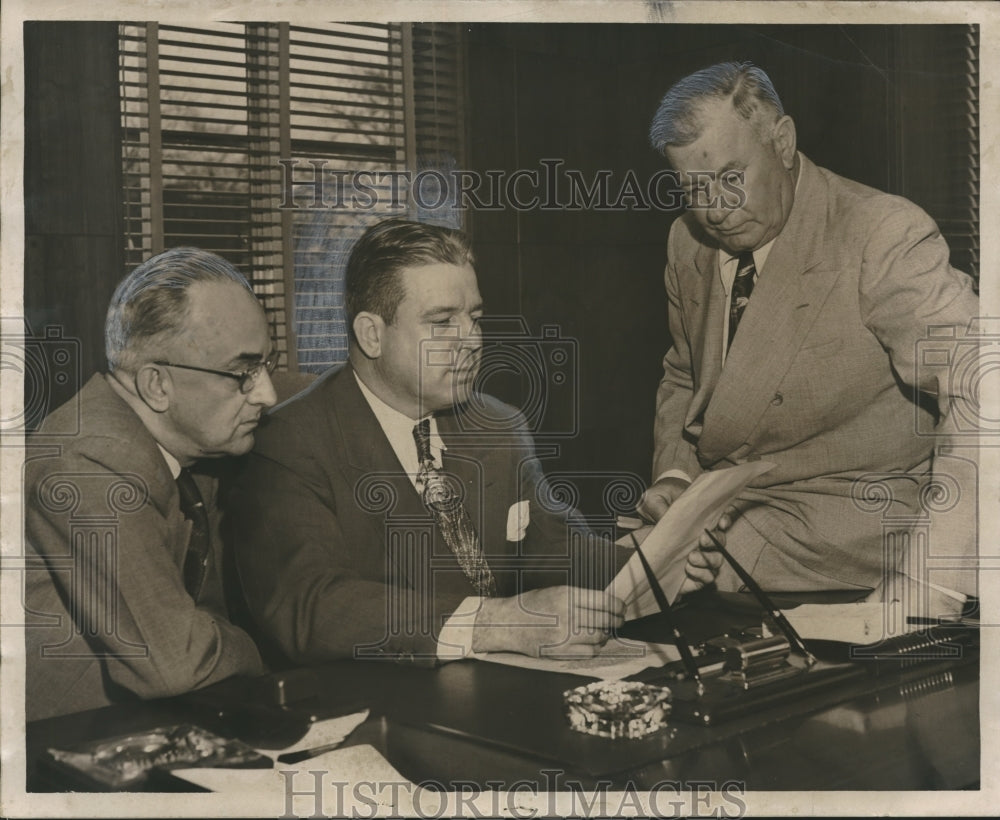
[487,723]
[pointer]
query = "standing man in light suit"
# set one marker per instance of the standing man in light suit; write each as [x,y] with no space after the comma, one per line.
[796,302]
[377,517]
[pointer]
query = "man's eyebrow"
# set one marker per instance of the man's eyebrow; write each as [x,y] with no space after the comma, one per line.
[731,165]
[688,177]
[245,359]
[440,310]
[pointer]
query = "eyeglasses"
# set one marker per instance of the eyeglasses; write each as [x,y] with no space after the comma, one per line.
[247,379]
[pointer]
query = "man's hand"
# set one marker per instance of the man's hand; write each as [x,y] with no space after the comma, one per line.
[659,497]
[551,622]
[703,563]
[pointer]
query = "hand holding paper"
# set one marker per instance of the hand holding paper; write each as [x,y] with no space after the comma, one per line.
[668,544]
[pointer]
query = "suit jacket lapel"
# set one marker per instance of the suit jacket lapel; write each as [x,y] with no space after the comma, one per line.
[119,422]
[467,462]
[707,326]
[786,302]
[367,450]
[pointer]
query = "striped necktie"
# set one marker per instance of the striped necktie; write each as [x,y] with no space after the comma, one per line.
[742,288]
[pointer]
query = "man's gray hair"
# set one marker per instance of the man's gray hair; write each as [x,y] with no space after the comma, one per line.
[150,304]
[677,121]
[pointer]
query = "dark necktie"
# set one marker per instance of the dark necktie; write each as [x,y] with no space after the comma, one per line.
[742,288]
[196,560]
[451,516]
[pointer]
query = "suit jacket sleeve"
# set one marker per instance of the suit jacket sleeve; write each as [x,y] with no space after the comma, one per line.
[673,450]
[913,300]
[920,309]
[158,642]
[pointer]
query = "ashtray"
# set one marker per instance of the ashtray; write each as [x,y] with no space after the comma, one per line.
[617,709]
[125,761]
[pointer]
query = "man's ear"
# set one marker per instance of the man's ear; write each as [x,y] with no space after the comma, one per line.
[154,386]
[784,138]
[368,328]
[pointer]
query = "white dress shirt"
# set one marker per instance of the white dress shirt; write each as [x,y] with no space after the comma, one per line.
[398,428]
[172,463]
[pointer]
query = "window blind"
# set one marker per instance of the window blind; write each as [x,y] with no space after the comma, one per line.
[249,139]
[938,112]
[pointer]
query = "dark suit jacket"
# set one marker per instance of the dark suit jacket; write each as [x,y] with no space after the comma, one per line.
[107,615]
[822,378]
[337,555]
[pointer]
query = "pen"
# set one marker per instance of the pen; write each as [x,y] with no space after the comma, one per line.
[765,601]
[679,640]
[925,621]
[306,754]
[961,597]
[316,751]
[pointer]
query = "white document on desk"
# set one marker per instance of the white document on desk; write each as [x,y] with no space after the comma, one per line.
[321,733]
[247,790]
[667,545]
[860,623]
[617,659]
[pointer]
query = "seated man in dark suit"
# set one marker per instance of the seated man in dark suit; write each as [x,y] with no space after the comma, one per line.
[124,584]
[376,517]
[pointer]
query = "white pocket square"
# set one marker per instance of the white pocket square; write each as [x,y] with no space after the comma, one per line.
[518,517]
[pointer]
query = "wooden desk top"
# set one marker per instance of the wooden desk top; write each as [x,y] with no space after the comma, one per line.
[483,722]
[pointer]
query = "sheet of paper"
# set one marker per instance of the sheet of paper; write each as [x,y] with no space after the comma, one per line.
[245,789]
[322,733]
[617,659]
[668,544]
[858,623]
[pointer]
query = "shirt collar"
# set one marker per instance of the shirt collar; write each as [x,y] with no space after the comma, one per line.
[398,427]
[172,463]
[759,256]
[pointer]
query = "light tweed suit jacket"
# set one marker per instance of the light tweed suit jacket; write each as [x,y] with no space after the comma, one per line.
[824,378]
[107,616]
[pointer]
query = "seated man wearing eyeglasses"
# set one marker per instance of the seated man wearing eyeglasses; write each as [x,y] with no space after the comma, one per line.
[123,591]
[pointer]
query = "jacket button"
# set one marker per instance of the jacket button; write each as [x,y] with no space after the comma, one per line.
[777,400]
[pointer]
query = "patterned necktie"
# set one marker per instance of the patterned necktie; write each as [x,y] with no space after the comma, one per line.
[451,516]
[196,560]
[742,288]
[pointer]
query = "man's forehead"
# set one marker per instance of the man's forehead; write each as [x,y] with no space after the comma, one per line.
[723,135]
[437,280]
[223,321]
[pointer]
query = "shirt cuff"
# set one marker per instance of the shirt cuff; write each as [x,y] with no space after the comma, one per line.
[674,474]
[455,638]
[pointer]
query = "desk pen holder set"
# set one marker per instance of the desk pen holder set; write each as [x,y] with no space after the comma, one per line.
[742,673]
